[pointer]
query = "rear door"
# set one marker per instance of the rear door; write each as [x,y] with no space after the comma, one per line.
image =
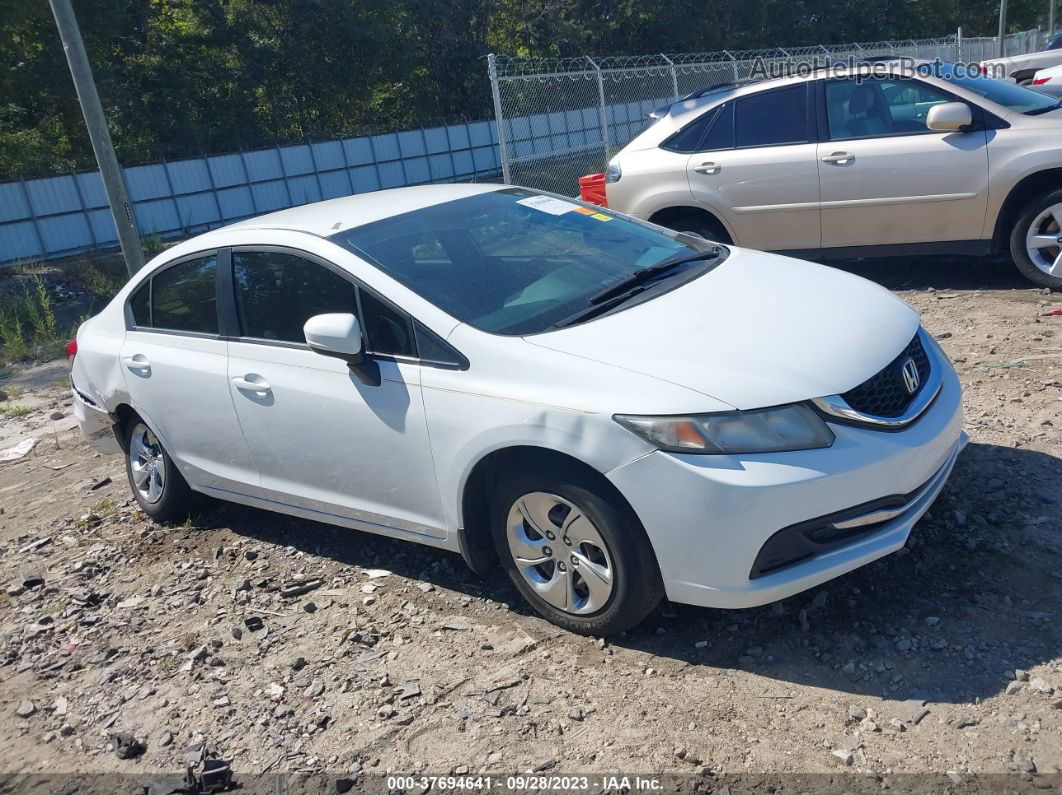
[885,177]
[756,166]
[174,361]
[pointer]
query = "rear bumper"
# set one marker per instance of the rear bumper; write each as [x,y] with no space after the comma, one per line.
[96,424]
[709,517]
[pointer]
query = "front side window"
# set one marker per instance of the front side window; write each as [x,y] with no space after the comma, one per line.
[772,118]
[183,297]
[516,262]
[277,293]
[866,108]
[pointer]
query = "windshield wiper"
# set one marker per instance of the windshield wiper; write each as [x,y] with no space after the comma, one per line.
[651,273]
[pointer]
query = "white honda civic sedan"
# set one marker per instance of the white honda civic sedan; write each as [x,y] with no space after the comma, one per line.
[609,410]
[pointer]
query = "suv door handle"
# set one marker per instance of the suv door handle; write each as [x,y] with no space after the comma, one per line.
[251,386]
[840,158]
[708,168]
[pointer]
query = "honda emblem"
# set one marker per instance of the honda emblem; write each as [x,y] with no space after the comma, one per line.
[911,379]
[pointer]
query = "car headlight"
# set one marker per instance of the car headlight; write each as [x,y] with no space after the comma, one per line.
[773,430]
[613,172]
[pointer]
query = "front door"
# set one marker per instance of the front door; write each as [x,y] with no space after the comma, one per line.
[885,178]
[175,368]
[322,439]
[756,166]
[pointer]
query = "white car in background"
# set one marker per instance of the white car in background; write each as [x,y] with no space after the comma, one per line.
[1048,81]
[1021,68]
[868,160]
[611,410]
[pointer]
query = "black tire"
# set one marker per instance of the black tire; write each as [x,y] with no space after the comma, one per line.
[176,500]
[1018,234]
[636,584]
[698,223]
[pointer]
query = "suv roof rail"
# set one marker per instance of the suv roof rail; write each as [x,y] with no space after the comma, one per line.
[714,88]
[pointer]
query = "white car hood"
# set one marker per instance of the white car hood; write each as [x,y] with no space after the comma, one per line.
[758,330]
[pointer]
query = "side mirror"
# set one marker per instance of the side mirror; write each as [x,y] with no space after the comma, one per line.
[339,335]
[949,117]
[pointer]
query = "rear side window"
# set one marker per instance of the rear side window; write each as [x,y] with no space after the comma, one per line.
[183,297]
[689,137]
[140,304]
[277,293]
[772,118]
[721,135]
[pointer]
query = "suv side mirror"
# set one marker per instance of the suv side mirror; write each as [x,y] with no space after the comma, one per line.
[949,117]
[339,335]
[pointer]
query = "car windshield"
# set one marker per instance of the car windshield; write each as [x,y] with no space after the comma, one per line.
[1009,95]
[514,261]
[1055,43]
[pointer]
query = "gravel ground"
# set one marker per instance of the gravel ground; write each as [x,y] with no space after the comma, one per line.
[943,658]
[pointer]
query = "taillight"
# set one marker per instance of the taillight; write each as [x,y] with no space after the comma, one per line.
[71,349]
[1041,80]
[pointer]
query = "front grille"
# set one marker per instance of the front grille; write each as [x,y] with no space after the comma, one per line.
[885,394]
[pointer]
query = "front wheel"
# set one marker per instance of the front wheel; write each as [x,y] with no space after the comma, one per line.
[1036,240]
[581,559]
[158,487]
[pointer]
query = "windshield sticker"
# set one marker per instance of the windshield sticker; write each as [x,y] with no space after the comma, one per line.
[601,217]
[585,211]
[547,204]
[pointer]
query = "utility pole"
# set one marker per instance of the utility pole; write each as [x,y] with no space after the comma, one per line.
[1002,29]
[99,134]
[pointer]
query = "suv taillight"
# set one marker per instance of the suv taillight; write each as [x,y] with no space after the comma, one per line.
[71,350]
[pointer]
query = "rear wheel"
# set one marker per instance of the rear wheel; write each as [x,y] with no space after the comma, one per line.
[157,486]
[581,560]
[1036,240]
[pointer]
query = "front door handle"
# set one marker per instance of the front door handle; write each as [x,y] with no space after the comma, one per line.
[840,158]
[136,362]
[708,168]
[251,386]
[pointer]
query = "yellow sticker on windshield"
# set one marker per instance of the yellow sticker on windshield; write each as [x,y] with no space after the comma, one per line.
[601,217]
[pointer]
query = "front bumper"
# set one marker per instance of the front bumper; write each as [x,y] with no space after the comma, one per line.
[708,517]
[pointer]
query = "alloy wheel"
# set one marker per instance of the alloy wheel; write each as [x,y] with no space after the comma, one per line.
[1044,241]
[560,553]
[147,462]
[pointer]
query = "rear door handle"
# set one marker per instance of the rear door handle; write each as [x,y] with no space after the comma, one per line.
[136,362]
[840,158]
[251,386]
[708,168]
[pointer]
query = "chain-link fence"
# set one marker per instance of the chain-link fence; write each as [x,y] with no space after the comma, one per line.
[561,118]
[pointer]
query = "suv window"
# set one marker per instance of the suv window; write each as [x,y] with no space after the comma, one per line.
[772,117]
[721,136]
[687,139]
[276,293]
[183,298]
[868,108]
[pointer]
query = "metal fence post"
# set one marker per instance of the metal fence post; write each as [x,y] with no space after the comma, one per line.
[958,45]
[503,150]
[674,75]
[734,65]
[601,107]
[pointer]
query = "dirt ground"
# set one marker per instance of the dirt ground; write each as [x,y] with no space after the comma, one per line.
[943,658]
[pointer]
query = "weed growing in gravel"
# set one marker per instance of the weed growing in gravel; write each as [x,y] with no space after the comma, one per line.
[28,326]
[15,411]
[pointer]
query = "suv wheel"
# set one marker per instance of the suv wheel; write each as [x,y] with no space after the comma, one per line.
[1036,240]
[582,562]
[157,486]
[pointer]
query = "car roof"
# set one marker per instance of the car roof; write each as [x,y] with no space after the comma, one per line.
[325,218]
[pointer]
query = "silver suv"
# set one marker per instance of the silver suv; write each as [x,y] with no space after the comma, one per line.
[858,160]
